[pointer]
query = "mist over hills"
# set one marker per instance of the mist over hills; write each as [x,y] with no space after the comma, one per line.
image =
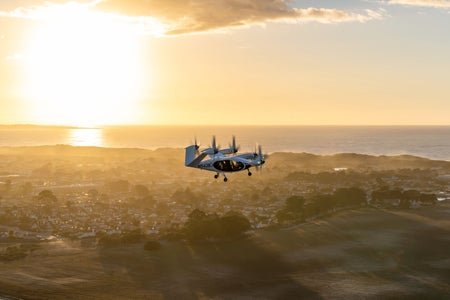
[375,249]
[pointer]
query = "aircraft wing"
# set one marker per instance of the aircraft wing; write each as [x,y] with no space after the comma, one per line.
[197,160]
[246,156]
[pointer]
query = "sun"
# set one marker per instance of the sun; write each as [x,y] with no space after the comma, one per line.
[84,68]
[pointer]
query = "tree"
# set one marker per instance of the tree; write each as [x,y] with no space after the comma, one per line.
[196,215]
[293,209]
[349,196]
[232,225]
[413,195]
[202,226]
[323,203]
[199,225]
[47,196]
[428,198]
[387,195]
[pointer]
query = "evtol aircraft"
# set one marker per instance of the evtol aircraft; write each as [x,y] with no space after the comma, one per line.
[222,161]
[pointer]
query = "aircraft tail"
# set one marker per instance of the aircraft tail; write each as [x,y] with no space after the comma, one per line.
[191,159]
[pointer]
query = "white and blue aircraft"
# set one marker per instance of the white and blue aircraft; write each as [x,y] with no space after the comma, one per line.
[222,161]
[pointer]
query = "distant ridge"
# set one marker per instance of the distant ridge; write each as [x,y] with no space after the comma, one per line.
[300,160]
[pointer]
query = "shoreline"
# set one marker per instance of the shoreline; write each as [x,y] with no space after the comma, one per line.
[160,149]
[432,142]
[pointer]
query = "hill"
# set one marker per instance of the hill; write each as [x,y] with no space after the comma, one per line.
[364,253]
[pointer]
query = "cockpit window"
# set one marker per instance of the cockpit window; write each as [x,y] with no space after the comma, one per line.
[228,165]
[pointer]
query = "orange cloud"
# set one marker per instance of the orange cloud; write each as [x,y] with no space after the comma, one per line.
[190,16]
[195,16]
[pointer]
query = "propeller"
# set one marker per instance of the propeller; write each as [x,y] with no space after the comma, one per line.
[197,146]
[214,146]
[233,146]
[260,157]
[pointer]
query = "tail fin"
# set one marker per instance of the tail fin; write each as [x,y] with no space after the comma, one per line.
[191,159]
[190,155]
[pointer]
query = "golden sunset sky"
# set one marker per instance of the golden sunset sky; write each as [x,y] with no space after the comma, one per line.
[225,62]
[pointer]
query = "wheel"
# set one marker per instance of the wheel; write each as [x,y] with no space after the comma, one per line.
[225,179]
[249,173]
[216,176]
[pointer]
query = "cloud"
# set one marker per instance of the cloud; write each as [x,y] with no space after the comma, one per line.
[42,11]
[196,16]
[191,16]
[423,3]
[16,13]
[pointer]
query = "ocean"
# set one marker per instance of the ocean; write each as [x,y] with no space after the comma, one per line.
[425,141]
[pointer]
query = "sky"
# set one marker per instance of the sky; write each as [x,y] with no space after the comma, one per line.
[225,62]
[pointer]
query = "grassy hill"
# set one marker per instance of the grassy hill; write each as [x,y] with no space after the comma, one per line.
[365,253]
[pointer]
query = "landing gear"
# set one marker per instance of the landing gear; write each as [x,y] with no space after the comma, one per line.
[225,179]
[249,173]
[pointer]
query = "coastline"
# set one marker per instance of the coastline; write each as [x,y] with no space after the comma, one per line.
[67,149]
[431,142]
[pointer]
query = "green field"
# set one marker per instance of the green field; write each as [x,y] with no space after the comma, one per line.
[360,254]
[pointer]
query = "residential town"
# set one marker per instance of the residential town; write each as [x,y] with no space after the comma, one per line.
[68,192]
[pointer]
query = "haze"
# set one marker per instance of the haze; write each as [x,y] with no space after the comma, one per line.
[225,62]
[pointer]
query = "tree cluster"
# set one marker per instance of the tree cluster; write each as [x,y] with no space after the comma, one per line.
[330,178]
[203,227]
[187,196]
[298,208]
[17,252]
[404,198]
[47,196]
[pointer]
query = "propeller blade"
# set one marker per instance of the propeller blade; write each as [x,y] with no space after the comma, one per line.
[260,158]
[233,146]
[214,146]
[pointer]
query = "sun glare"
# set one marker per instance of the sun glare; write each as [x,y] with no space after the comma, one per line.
[84,68]
[86,137]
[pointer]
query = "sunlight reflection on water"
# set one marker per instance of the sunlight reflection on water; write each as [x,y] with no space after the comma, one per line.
[86,137]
